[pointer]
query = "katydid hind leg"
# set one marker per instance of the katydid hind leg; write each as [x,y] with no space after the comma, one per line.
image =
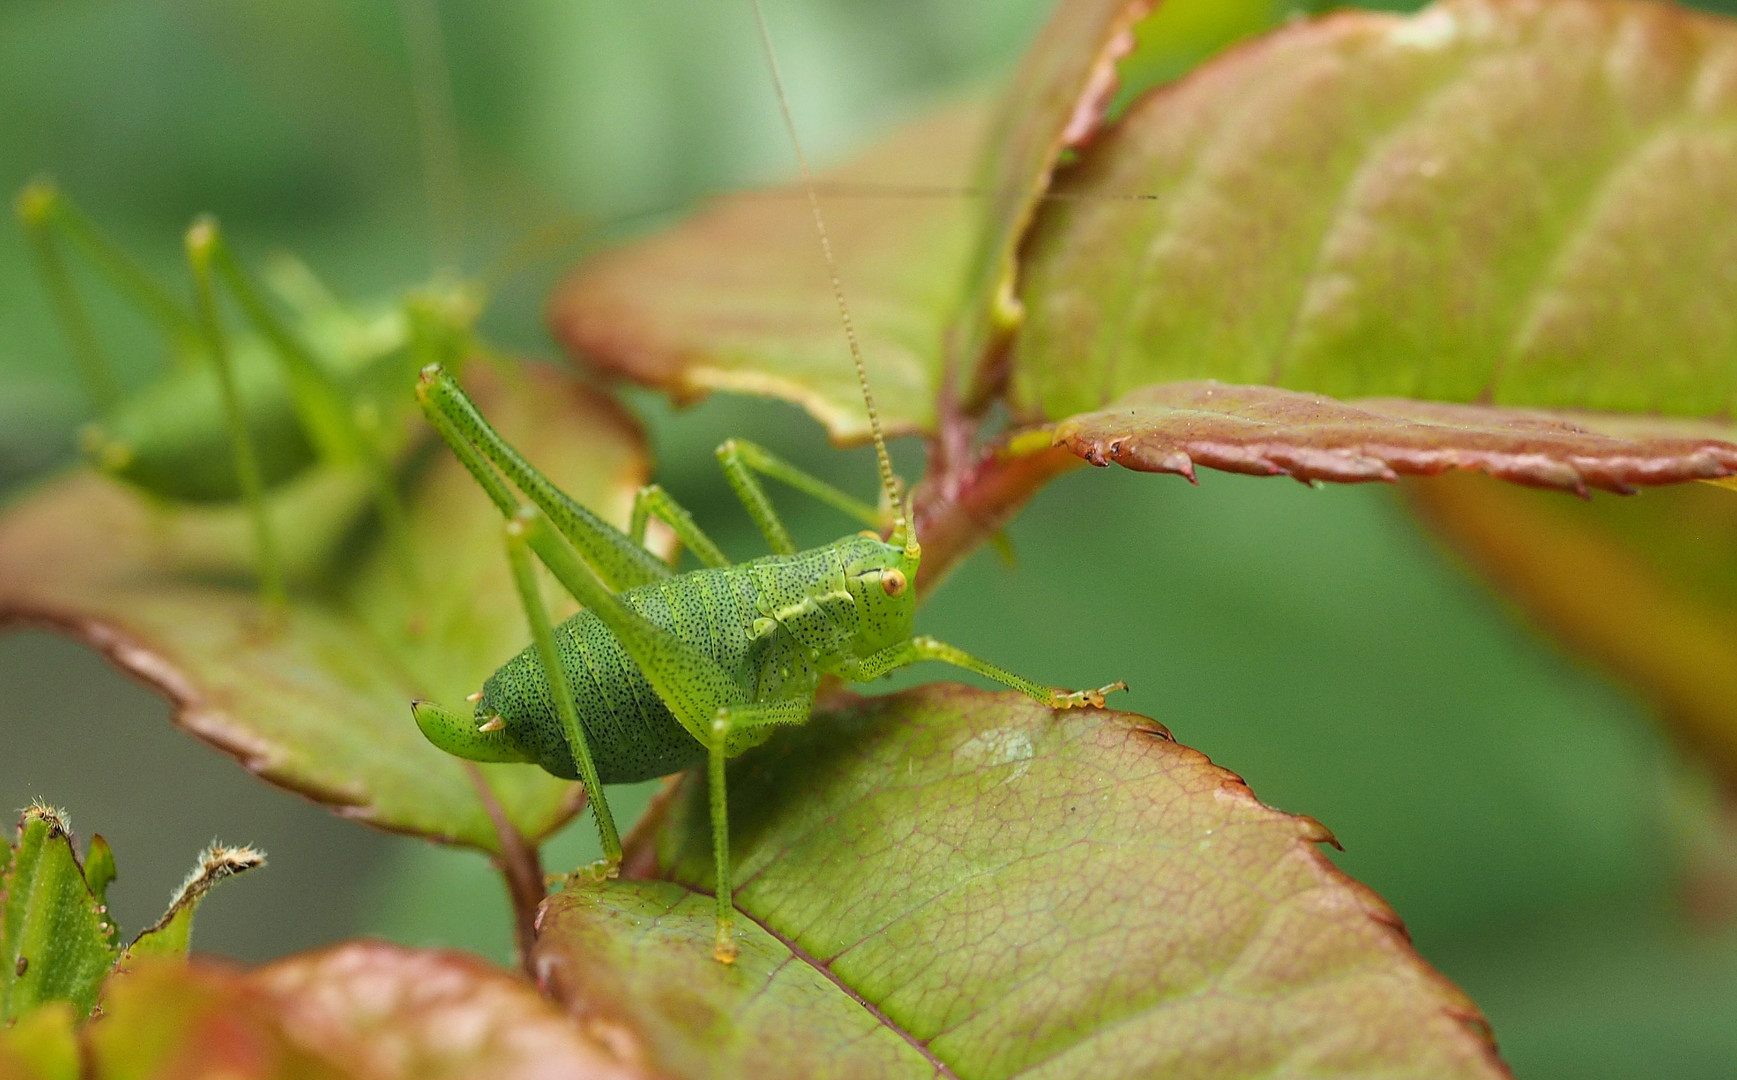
[621,563]
[729,721]
[561,689]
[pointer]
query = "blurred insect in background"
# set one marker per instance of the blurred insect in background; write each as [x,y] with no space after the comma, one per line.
[308,381]
[662,671]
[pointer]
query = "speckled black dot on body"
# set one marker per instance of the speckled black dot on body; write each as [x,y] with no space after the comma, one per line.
[802,602]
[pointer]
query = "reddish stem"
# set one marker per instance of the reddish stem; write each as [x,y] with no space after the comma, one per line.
[520,866]
[965,502]
[639,849]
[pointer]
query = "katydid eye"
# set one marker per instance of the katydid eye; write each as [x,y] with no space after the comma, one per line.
[893,581]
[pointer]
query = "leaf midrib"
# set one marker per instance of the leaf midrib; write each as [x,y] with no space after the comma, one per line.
[942,1069]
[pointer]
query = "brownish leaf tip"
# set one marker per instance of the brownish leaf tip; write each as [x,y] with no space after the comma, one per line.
[1269,431]
[359,1009]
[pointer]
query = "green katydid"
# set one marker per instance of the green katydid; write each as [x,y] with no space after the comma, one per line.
[664,671]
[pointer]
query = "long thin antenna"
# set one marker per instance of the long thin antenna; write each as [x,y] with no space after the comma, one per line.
[886,465]
[431,88]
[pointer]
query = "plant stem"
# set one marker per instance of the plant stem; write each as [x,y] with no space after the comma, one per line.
[639,848]
[520,867]
[968,500]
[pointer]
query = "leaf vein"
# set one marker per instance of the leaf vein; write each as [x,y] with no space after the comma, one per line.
[1374,144]
[1581,225]
[941,1068]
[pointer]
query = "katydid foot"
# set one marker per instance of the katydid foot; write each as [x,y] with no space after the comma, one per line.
[595,873]
[1079,699]
[724,943]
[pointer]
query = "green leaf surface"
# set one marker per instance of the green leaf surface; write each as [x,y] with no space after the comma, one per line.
[320,702]
[958,883]
[1646,587]
[738,297]
[359,1011]
[1491,201]
[54,937]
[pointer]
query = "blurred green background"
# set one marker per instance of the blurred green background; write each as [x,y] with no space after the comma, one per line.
[1525,817]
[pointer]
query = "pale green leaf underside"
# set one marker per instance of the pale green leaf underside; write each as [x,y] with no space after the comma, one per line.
[1054,102]
[738,298]
[1493,200]
[959,883]
[321,704]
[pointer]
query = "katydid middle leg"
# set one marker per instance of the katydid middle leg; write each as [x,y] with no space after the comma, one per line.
[652,501]
[619,561]
[729,721]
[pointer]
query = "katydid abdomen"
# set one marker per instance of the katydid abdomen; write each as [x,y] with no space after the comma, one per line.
[736,615]
[171,438]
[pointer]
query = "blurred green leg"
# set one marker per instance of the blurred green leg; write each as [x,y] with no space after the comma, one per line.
[322,405]
[201,240]
[35,206]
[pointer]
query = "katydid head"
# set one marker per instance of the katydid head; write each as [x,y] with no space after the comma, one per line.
[879,574]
